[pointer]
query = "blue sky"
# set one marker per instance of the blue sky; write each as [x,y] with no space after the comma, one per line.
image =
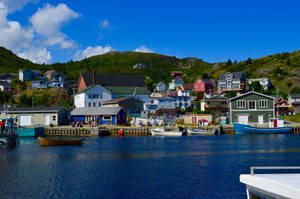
[214,30]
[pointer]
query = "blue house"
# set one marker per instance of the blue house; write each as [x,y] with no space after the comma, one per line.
[99,115]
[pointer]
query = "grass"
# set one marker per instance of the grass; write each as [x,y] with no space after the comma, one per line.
[293,118]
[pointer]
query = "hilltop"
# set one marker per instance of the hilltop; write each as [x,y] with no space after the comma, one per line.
[283,69]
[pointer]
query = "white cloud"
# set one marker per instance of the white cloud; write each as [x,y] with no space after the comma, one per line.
[92,51]
[36,55]
[104,24]
[12,35]
[143,49]
[48,21]
[14,5]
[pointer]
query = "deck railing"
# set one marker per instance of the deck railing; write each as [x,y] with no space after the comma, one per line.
[273,168]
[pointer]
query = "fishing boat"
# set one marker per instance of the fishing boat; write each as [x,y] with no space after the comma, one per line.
[196,131]
[276,126]
[45,141]
[168,132]
[275,185]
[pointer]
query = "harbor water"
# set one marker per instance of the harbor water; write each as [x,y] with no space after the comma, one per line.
[141,167]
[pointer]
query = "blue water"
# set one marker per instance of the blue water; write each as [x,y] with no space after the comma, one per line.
[142,167]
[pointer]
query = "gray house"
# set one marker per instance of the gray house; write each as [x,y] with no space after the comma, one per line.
[251,107]
[36,116]
[294,100]
[232,81]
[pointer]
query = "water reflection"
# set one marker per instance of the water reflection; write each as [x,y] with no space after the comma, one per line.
[141,167]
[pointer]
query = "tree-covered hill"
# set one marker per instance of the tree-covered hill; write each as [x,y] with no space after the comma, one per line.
[283,69]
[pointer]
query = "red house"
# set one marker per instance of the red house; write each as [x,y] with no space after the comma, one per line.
[204,85]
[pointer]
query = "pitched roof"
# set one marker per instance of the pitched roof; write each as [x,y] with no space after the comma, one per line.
[96,111]
[236,75]
[114,80]
[32,109]
[252,92]
[85,89]
[128,90]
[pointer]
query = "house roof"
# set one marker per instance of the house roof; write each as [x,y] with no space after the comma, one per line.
[216,99]
[7,76]
[32,109]
[114,80]
[252,92]
[188,86]
[236,75]
[128,90]
[295,103]
[120,99]
[294,95]
[96,111]
[85,89]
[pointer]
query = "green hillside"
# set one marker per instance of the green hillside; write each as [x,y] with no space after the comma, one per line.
[283,69]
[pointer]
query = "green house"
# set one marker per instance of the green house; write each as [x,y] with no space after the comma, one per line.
[252,107]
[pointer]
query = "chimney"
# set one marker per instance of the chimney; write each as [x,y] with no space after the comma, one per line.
[94,77]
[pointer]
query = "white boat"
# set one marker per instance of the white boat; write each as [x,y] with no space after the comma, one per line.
[276,185]
[196,131]
[168,132]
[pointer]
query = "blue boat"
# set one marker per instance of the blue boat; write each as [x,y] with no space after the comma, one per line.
[248,129]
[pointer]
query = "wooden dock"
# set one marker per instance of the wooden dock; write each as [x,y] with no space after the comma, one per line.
[96,131]
[131,131]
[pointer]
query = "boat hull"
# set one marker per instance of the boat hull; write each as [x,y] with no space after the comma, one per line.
[248,129]
[196,131]
[158,132]
[59,142]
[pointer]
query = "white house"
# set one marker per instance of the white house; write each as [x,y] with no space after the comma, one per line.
[92,96]
[161,87]
[264,82]
[293,98]
[160,103]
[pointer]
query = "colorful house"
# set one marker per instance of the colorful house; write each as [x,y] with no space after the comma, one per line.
[282,106]
[204,85]
[232,81]
[99,115]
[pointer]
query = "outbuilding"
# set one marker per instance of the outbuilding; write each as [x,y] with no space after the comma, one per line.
[198,118]
[36,116]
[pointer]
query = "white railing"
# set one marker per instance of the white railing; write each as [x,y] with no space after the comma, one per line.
[273,168]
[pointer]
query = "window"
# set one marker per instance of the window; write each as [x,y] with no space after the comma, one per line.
[241,104]
[263,103]
[53,118]
[252,105]
[99,104]
[94,104]
[107,117]
[90,96]
[100,96]
[89,104]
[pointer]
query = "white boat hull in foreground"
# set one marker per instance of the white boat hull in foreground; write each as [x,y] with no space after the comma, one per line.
[277,186]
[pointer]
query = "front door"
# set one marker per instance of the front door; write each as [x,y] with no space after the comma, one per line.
[260,119]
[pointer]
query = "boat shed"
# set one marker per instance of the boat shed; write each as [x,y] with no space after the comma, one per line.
[36,116]
[251,108]
[99,115]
